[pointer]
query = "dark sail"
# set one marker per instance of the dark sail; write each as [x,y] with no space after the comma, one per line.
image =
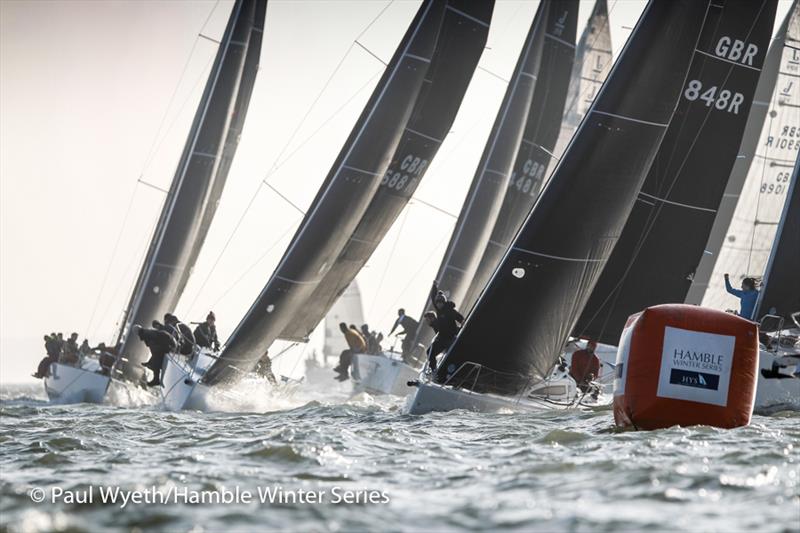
[655,257]
[489,184]
[756,154]
[341,201]
[780,291]
[458,49]
[199,178]
[522,319]
[535,159]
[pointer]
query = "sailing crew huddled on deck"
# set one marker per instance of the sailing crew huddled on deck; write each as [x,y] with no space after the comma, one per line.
[373,340]
[184,338]
[356,344]
[53,350]
[409,332]
[160,342]
[70,355]
[205,334]
[585,366]
[447,323]
[747,296]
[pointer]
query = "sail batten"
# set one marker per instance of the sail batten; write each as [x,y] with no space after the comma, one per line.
[199,179]
[662,241]
[531,303]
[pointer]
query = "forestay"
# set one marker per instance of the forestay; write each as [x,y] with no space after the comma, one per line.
[199,179]
[521,321]
[340,203]
[458,49]
[655,258]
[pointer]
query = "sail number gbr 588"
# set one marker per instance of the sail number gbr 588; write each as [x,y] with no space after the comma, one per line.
[735,51]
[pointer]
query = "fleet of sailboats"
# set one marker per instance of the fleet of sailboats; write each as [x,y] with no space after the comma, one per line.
[593,199]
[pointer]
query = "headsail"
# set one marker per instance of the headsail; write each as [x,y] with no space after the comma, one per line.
[655,258]
[490,182]
[199,178]
[341,201]
[347,309]
[767,151]
[458,49]
[593,58]
[780,293]
[535,159]
[522,319]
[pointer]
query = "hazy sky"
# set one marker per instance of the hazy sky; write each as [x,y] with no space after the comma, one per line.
[98,95]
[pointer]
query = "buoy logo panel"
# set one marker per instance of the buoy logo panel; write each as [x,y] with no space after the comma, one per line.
[696,366]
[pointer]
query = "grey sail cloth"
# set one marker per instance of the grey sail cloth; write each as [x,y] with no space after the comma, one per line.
[663,240]
[780,290]
[459,47]
[340,203]
[765,105]
[199,179]
[543,65]
[519,325]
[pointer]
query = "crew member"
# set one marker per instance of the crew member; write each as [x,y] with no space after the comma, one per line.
[264,369]
[447,324]
[356,344]
[585,366]
[160,343]
[51,349]
[205,335]
[747,296]
[409,332]
[373,340]
[70,355]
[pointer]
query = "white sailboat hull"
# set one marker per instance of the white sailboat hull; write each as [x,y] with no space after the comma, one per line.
[382,374]
[68,384]
[773,393]
[557,392]
[180,379]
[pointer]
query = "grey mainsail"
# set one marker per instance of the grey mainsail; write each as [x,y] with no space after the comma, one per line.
[199,179]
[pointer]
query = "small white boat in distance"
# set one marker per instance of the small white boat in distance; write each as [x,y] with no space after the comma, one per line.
[70,384]
[386,373]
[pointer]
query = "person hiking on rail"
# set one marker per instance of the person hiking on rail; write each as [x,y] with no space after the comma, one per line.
[585,366]
[747,296]
[160,343]
[448,323]
[205,335]
[410,327]
[356,344]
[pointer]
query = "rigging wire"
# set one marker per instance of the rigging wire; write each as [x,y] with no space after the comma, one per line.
[148,159]
[278,163]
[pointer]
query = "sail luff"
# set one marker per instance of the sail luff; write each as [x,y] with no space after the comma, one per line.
[459,47]
[519,325]
[180,230]
[662,242]
[756,122]
[341,201]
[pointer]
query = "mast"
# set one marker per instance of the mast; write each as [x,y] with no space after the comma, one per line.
[780,290]
[458,49]
[754,152]
[663,240]
[535,158]
[199,179]
[519,325]
[491,178]
[593,58]
[340,203]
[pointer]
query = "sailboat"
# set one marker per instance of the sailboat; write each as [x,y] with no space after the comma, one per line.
[535,95]
[779,304]
[287,308]
[188,209]
[504,356]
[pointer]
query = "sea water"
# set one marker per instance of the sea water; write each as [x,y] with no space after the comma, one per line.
[309,461]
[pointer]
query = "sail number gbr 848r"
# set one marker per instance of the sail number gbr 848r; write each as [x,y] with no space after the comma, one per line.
[733,51]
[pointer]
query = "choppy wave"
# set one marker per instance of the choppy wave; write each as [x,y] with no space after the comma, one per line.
[545,471]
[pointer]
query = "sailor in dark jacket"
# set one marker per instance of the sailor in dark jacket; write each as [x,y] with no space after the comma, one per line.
[184,338]
[160,343]
[447,324]
[205,335]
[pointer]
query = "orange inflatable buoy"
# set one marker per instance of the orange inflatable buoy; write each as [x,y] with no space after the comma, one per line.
[685,365]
